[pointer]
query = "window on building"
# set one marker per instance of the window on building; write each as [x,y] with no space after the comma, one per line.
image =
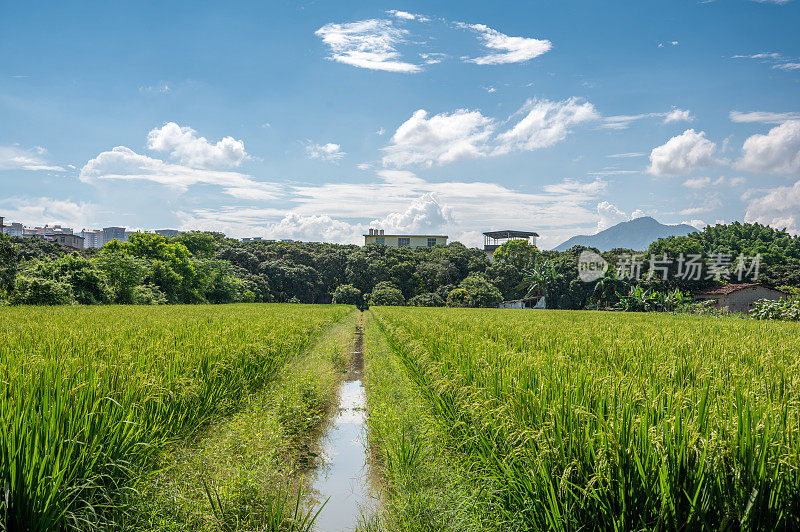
[404,242]
[381,240]
[431,242]
[62,238]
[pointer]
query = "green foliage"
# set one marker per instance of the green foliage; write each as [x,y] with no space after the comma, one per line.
[782,309]
[348,294]
[40,291]
[647,300]
[481,292]
[518,253]
[431,299]
[385,293]
[9,259]
[123,271]
[459,297]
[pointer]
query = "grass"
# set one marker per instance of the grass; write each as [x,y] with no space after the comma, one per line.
[567,420]
[91,394]
[245,471]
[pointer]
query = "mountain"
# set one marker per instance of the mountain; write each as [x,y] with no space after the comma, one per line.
[636,234]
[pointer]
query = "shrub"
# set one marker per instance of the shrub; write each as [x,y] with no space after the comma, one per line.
[386,294]
[41,291]
[148,294]
[459,297]
[481,292]
[431,299]
[347,294]
[782,309]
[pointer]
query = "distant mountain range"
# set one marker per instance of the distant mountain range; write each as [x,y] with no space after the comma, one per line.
[636,234]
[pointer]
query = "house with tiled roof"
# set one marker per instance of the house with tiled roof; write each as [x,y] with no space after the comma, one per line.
[738,297]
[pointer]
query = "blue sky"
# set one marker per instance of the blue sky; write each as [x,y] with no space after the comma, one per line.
[318,120]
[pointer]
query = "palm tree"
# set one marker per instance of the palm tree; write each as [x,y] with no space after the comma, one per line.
[539,277]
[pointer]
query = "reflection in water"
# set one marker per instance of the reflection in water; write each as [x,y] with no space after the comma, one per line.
[343,477]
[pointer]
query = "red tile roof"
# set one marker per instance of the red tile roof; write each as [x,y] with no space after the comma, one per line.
[730,288]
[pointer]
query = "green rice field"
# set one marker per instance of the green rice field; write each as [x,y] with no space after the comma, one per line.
[208,417]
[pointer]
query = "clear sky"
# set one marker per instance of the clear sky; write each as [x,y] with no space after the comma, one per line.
[318,120]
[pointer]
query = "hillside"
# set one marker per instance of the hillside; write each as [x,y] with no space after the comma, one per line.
[636,234]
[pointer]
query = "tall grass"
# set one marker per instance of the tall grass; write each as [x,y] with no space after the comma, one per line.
[571,420]
[90,394]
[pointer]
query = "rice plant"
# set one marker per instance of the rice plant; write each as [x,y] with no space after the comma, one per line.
[573,420]
[90,394]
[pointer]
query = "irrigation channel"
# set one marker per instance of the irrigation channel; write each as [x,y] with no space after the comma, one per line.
[343,478]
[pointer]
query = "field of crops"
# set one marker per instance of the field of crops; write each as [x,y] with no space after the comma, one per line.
[567,419]
[90,394]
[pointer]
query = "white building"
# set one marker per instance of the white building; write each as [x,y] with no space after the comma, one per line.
[738,297]
[377,236]
[111,233]
[93,238]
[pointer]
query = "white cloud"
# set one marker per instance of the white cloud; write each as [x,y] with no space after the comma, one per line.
[626,155]
[424,215]
[638,213]
[405,15]
[370,44]
[433,58]
[776,60]
[697,224]
[697,182]
[682,154]
[466,134]
[184,146]
[16,158]
[778,208]
[674,43]
[440,139]
[624,121]
[122,163]
[678,115]
[609,215]
[776,152]
[40,211]
[545,123]
[162,88]
[787,66]
[326,152]
[763,117]
[511,49]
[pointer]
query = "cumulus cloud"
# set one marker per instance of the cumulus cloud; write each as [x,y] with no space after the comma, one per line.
[326,152]
[776,152]
[678,115]
[38,211]
[545,123]
[16,158]
[682,154]
[467,134]
[763,117]
[184,146]
[424,215]
[439,139]
[122,163]
[370,44]
[778,207]
[509,49]
[609,215]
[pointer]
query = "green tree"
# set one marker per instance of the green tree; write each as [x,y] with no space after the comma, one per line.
[430,299]
[518,253]
[347,294]
[386,294]
[459,297]
[124,272]
[481,292]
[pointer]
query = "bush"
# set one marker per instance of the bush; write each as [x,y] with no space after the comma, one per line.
[41,291]
[459,297]
[430,299]
[481,292]
[347,294]
[386,294]
[782,309]
[148,294]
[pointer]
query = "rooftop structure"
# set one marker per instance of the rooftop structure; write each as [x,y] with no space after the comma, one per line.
[378,236]
[494,239]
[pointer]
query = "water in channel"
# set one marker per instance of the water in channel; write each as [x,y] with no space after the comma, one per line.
[343,476]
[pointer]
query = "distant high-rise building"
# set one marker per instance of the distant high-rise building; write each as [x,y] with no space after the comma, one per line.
[14,229]
[92,239]
[111,233]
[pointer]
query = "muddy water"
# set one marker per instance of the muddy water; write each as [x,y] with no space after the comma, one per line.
[343,477]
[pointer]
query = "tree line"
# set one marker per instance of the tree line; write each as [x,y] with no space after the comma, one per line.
[206,267]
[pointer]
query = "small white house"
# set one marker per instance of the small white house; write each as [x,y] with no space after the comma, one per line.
[377,236]
[738,297]
[537,302]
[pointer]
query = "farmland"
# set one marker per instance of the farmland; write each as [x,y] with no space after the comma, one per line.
[562,420]
[92,395]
